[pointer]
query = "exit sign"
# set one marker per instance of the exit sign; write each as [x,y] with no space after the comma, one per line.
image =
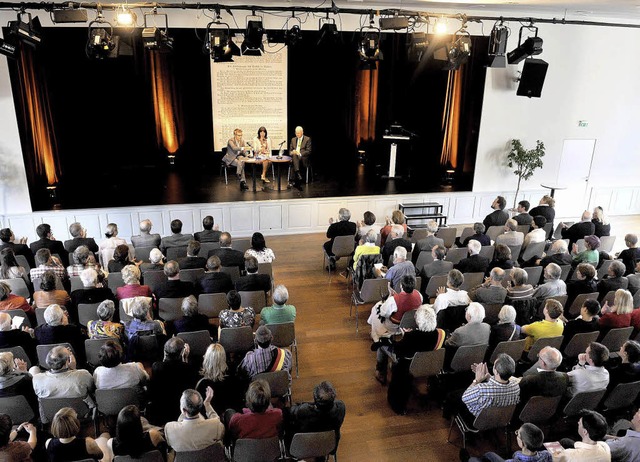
[583,123]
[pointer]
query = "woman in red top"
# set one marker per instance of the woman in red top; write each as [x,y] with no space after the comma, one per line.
[260,420]
[397,218]
[407,300]
[618,315]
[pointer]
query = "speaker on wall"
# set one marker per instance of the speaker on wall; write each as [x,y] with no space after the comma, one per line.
[532,79]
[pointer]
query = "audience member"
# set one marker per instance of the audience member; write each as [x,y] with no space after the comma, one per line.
[47,262]
[79,235]
[546,209]
[491,291]
[542,379]
[15,380]
[342,227]
[145,238]
[191,320]
[618,315]
[592,429]
[259,249]
[518,287]
[155,263]
[478,235]
[397,218]
[12,450]
[112,240]
[401,268]
[529,438]
[553,285]
[501,259]
[368,247]
[58,330]
[209,233]
[259,419]
[505,330]
[240,316]
[474,263]
[9,301]
[177,239]
[368,223]
[141,322]
[523,217]
[558,253]
[131,439]
[173,287]
[84,259]
[589,374]
[48,242]
[475,332]
[613,280]
[113,373]
[394,241]
[7,241]
[253,281]
[587,321]
[629,369]
[452,295]
[266,357]
[627,448]
[90,293]
[590,254]
[498,217]
[578,230]
[429,242]
[550,326]
[21,337]
[66,445]
[584,284]
[228,389]
[631,255]
[132,289]
[48,293]
[536,235]
[9,267]
[511,235]
[104,327]
[192,260]
[228,256]
[601,222]
[214,280]
[120,259]
[437,267]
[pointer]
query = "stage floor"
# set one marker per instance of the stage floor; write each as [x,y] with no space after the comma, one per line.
[152,185]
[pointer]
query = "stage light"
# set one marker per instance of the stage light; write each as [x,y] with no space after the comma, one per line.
[441,26]
[125,17]
[369,46]
[156,38]
[328,31]
[498,45]
[8,49]
[457,52]
[29,31]
[418,44]
[252,44]
[219,42]
[530,47]
[100,42]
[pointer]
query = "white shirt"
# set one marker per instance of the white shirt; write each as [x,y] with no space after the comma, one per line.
[534,236]
[194,434]
[451,298]
[128,375]
[587,378]
[598,452]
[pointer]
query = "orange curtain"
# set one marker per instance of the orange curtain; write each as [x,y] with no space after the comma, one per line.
[165,102]
[37,116]
[366,105]
[451,119]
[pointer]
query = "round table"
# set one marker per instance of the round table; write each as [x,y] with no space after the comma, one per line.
[254,161]
[553,187]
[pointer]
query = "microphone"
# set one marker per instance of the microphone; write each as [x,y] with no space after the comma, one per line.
[281,144]
[248,143]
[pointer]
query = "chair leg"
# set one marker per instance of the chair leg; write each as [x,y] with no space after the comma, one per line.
[450,429]
[297,370]
[226,179]
[356,318]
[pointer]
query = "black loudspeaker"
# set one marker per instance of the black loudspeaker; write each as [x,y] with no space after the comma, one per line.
[69,15]
[533,74]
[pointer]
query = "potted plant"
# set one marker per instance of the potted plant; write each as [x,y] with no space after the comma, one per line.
[525,161]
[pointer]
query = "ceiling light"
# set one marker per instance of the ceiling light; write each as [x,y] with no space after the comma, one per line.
[156,38]
[125,17]
[8,49]
[252,44]
[100,41]
[441,26]
[457,52]
[531,46]
[498,45]
[418,44]
[219,42]
[328,31]
[29,31]
[369,47]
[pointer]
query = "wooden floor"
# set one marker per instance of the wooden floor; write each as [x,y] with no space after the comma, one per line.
[330,349]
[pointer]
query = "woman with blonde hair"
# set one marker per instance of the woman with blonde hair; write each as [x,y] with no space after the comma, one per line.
[397,218]
[603,227]
[618,315]
[546,209]
[65,444]
[228,390]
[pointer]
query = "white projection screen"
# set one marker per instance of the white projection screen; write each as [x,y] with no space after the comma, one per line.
[249,93]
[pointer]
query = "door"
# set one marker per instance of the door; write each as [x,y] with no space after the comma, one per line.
[574,174]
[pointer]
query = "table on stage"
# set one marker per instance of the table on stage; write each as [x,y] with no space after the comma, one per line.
[279,160]
[259,160]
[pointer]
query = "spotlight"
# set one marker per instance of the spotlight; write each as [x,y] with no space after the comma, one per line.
[156,38]
[219,43]
[8,49]
[252,44]
[531,46]
[29,31]
[100,42]
[441,26]
[498,45]
[328,31]
[293,35]
[369,46]
[418,44]
[457,52]
[125,17]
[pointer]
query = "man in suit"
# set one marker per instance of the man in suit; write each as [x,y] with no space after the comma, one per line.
[208,234]
[429,242]
[542,379]
[253,280]
[235,156]
[228,256]
[498,217]
[7,241]
[437,267]
[395,240]
[300,150]
[584,227]
[491,291]
[342,227]
[146,239]
[193,431]
[192,260]
[177,239]
[173,287]
[214,281]
[511,236]
[523,217]
[47,241]
[614,280]
[79,238]
[474,263]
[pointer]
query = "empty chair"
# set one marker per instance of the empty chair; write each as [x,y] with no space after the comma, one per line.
[236,339]
[241,245]
[170,309]
[574,309]
[372,291]
[427,363]
[583,400]
[465,356]
[173,253]
[256,299]
[554,342]
[87,312]
[606,243]
[533,250]
[418,234]
[494,231]
[312,445]
[490,418]
[343,246]
[434,283]
[232,271]
[154,279]
[615,338]
[142,253]
[284,336]
[472,280]
[622,396]
[278,383]
[254,450]
[191,275]
[579,343]
[539,409]
[448,235]
[212,304]
[423,259]
[198,341]
[487,251]
[454,255]
[114,281]
[76,283]
[19,287]
[213,453]
[17,408]
[533,274]
[205,247]
[513,348]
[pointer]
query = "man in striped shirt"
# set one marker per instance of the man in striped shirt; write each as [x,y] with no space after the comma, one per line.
[266,357]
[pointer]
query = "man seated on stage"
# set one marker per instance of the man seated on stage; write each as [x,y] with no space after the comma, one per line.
[300,150]
[235,156]
[523,217]
[498,217]
[146,239]
[210,232]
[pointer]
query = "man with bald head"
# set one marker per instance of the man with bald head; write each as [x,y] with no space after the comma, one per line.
[543,379]
[578,230]
[491,291]
[300,150]
[146,238]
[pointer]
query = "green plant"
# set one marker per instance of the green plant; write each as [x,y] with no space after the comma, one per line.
[525,161]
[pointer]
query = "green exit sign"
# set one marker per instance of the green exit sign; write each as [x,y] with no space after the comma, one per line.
[583,123]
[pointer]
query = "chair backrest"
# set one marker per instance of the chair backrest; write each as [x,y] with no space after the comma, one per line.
[232,271]
[114,281]
[17,408]
[154,279]
[111,401]
[472,280]
[408,320]
[278,382]
[19,286]
[454,255]
[20,313]
[604,268]
[205,247]
[494,417]
[40,316]
[191,275]
[524,229]
[606,243]
[256,299]
[448,235]
[579,343]
[124,317]
[427,363]
[92,349]
[581,245]
[565,270]
[198,341]
[173,253]
[465,356]
[554,342]
[583,400]
[424,258]
[539,409]
[491,312]
[151,456]
[466,232]
[170,309]
[548,228]
[266,268]
[374,290]
[87,312]
[212,304]
[615,338]
[142,253]
[534,273]
[622,396]
[434,283]
[487,251]
[609,298]
[22,261]
[533,250]
[514,348]
[311,445]
[284,334]
[574,309]
[76,283]
[418,234]
[236,339]
[144,348]
[36,282]
[49,407]
[560,298]
[43,350]
[343,246]
[18,352]
[515,251]
[105,256]
[254,450]
[241,245]
[494,231]
[213,453]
